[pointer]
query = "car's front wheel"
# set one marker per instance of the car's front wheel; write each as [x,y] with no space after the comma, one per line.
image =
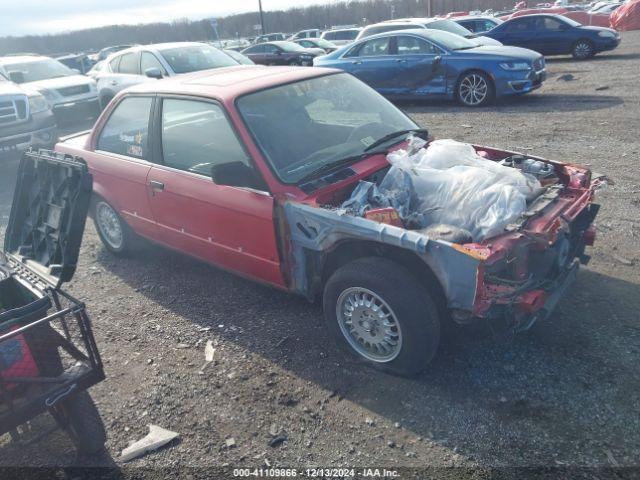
[381,313]
[115,234]
[475,89]
[582,50]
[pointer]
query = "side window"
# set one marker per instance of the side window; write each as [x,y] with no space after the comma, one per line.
[127,130]
[113,64]
[375,47]
[550,24]
[306,43]
[520,25]
[149,60]
[197,135]
[271,49]
[487,25]
[415,46]
[128,64]
[329,36]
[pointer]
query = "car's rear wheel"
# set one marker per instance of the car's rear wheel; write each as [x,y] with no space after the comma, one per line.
[475,89]
[582,50]
[115,234]
[380,312]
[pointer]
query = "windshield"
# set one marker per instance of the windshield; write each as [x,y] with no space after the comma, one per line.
[450,41]
[38,70]
[238,57]
[449,26]
[195,58]
[322,43]
[326,119]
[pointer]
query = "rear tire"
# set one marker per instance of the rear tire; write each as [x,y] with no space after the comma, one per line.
[115,234]
[377,310]
[79,417]
[583,50]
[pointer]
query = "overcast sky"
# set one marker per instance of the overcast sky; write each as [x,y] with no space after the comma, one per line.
[22,17]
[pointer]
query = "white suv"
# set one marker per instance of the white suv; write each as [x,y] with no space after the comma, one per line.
[149,62]
[341,36]
[71,96]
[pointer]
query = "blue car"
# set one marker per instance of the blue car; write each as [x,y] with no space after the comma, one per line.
[555,35]
[437,64]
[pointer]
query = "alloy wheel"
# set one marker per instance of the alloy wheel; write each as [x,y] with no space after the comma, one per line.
[369,325]
[473,89]
[109,224]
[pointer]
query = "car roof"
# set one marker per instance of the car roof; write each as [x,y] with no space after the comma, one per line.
[22,59]
[427,33]
[227,83]
[473,17]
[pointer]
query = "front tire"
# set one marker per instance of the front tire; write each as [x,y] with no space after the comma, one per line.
[583,50]
[114,233]
[79,417]
[475,89]
[380,312]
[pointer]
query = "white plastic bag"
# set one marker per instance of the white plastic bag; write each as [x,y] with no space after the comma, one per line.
[451,184]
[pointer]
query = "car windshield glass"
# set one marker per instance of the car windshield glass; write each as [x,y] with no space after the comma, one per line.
[39,70]
[449,26]
[302,126]
[450,41]
[195,58]
[290,47]
[322,43]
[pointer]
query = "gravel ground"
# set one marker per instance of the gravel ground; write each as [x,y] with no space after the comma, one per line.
[567,393]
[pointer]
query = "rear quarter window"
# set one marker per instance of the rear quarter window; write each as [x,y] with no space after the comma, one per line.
[127,129]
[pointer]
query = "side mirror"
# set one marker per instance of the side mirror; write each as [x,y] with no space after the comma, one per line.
[153,72]
[16,76]
[235,174]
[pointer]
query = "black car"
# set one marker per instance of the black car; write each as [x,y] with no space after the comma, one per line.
[280,53]
[555,35]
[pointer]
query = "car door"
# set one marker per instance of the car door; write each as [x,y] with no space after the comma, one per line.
[120,162]
[519,32]
[128,72]
[256,54]
[372,62]
[274,55]
[552,36]
[421,68]
[229,226]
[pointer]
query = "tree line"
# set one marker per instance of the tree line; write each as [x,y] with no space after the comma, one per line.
[349,12]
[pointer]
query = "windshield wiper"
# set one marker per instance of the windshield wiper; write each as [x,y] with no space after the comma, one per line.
[328,167]
[423,133]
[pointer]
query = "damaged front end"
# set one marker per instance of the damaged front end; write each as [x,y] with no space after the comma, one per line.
[485,267]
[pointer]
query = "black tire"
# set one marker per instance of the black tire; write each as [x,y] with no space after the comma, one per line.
[583,49]
[104,101]
[411,304]
[128,236]
[79,417]
[472,77]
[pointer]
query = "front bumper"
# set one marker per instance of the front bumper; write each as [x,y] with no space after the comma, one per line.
[74,110]
[39,131]
[608,44]
[518,83]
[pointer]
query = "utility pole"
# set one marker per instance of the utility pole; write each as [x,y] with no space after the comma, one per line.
[429,9]
[261,17]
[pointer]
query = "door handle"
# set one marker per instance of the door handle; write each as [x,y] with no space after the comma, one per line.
[357,62]
[400,60]
[156,186]
[437,60]
[114,83]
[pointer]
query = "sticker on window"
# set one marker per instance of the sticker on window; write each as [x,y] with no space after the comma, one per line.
[366,141]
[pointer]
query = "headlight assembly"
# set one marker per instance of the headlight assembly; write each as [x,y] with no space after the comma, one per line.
[606,34]
[515,66]
[38,104]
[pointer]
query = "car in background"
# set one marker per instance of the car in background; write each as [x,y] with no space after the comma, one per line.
[608,8]
[427,23]
[436,64]
[317,44]
[281,53]
[105,52]
[26,119]
[76,61]
[270,37]
[341,36]
[309,33]
[151,62]
[555,35]
[71,96]
[239,57]
[478,24]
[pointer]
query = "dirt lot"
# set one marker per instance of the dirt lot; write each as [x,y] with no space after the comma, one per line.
[565,394]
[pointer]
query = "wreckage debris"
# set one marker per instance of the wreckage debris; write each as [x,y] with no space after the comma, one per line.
[156,438]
